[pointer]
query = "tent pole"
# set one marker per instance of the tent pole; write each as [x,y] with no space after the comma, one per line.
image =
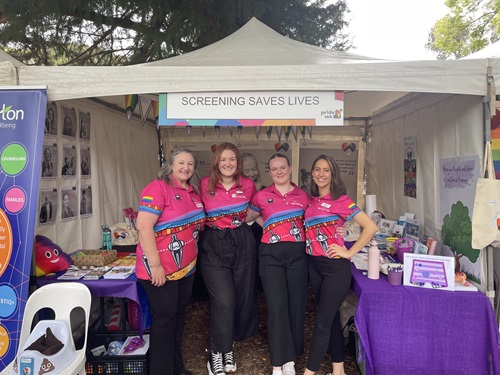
[489,111]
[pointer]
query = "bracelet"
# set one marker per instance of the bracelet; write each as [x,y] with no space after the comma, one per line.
[158,265]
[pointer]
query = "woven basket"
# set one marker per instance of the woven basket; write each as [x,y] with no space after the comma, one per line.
[96,258]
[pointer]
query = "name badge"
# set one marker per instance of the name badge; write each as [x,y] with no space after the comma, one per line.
[239,191]
[199,205]
[326,205]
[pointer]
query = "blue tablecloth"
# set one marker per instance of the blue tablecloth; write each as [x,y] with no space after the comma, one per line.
[407,330]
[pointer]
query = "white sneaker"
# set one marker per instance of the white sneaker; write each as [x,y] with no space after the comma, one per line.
[215,364]
[229,362]
[289,368]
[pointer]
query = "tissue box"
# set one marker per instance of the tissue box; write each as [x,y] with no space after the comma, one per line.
[96,258]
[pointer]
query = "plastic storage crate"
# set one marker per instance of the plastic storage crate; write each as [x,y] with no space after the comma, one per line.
[118,365]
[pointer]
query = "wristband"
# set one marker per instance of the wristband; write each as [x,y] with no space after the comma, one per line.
[158,265]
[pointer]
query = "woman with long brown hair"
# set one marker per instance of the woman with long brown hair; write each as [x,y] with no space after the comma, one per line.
[329,265]
[227,257]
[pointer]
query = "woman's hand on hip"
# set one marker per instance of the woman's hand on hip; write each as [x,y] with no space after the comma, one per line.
[336,251]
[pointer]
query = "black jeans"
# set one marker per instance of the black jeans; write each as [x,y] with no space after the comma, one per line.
[227,260]
[168,309]
[330,280]
[283,269]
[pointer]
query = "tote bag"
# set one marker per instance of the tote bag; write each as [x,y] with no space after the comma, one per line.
[486,215]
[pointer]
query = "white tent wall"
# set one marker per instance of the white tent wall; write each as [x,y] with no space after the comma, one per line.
[445,126]
[124,158]
[8,74]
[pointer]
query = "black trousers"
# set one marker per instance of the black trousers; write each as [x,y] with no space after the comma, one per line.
[330,280]
[168,310]
[283,269]
[227,261]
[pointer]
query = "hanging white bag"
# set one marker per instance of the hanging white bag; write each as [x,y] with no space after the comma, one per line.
[486,215]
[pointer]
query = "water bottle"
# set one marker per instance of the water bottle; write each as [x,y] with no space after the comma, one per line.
[106,238]
[373,260]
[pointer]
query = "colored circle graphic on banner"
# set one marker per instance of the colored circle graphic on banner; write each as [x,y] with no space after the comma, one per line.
[13,159]
[14,200]
[5,241]
[8,301]
[4,341]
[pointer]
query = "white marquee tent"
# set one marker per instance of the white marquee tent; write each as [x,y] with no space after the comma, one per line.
[441,103]
[257,58]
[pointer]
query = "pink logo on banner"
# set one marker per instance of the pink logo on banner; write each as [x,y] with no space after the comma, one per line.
[15,200]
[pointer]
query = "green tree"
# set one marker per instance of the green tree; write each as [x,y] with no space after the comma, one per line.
[121,32]
[457,232]
[469,26]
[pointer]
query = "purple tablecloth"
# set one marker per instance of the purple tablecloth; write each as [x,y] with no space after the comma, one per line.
[413,331]
[122,288]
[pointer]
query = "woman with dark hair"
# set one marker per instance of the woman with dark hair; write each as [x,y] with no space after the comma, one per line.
[283,263]
[227,257]
[329,266]
[169,220]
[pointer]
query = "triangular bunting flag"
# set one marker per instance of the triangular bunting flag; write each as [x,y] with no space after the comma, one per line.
[203,131]
[257,132]
[269,132]
[231,131]
[240,129]
[172,129]
[303,132]
[188,129]
[310,131]
[145,105]
[279,131]
[130,104]
[217,130]
[287,133]
[294,132]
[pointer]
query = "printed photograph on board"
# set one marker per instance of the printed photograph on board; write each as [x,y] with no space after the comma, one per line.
[50,128]
[69,203]
[69,122]
[68,168]
[48,206]
[49,161]
[85,162]
[85,126]
[85,201]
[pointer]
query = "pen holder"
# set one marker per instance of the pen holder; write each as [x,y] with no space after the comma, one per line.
[395,276]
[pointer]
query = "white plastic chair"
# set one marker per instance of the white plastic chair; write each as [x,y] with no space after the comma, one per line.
[62,298]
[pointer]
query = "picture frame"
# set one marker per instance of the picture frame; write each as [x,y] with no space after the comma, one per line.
[413,229]
[429,271]
[386,227]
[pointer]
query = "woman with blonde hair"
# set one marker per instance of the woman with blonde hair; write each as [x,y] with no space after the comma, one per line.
[169,220]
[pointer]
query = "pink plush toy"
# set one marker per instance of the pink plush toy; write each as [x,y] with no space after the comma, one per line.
[49,256]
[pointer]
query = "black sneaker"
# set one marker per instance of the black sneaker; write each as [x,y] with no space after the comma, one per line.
[229,362]
[215,364]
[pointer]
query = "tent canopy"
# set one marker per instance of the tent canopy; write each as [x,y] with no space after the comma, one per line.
[256,58]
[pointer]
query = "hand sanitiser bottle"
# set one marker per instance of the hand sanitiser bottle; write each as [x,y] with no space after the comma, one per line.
[373,261]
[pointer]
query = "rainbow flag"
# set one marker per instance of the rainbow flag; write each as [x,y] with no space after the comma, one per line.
[495,150]
[156,109]
[131,102]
